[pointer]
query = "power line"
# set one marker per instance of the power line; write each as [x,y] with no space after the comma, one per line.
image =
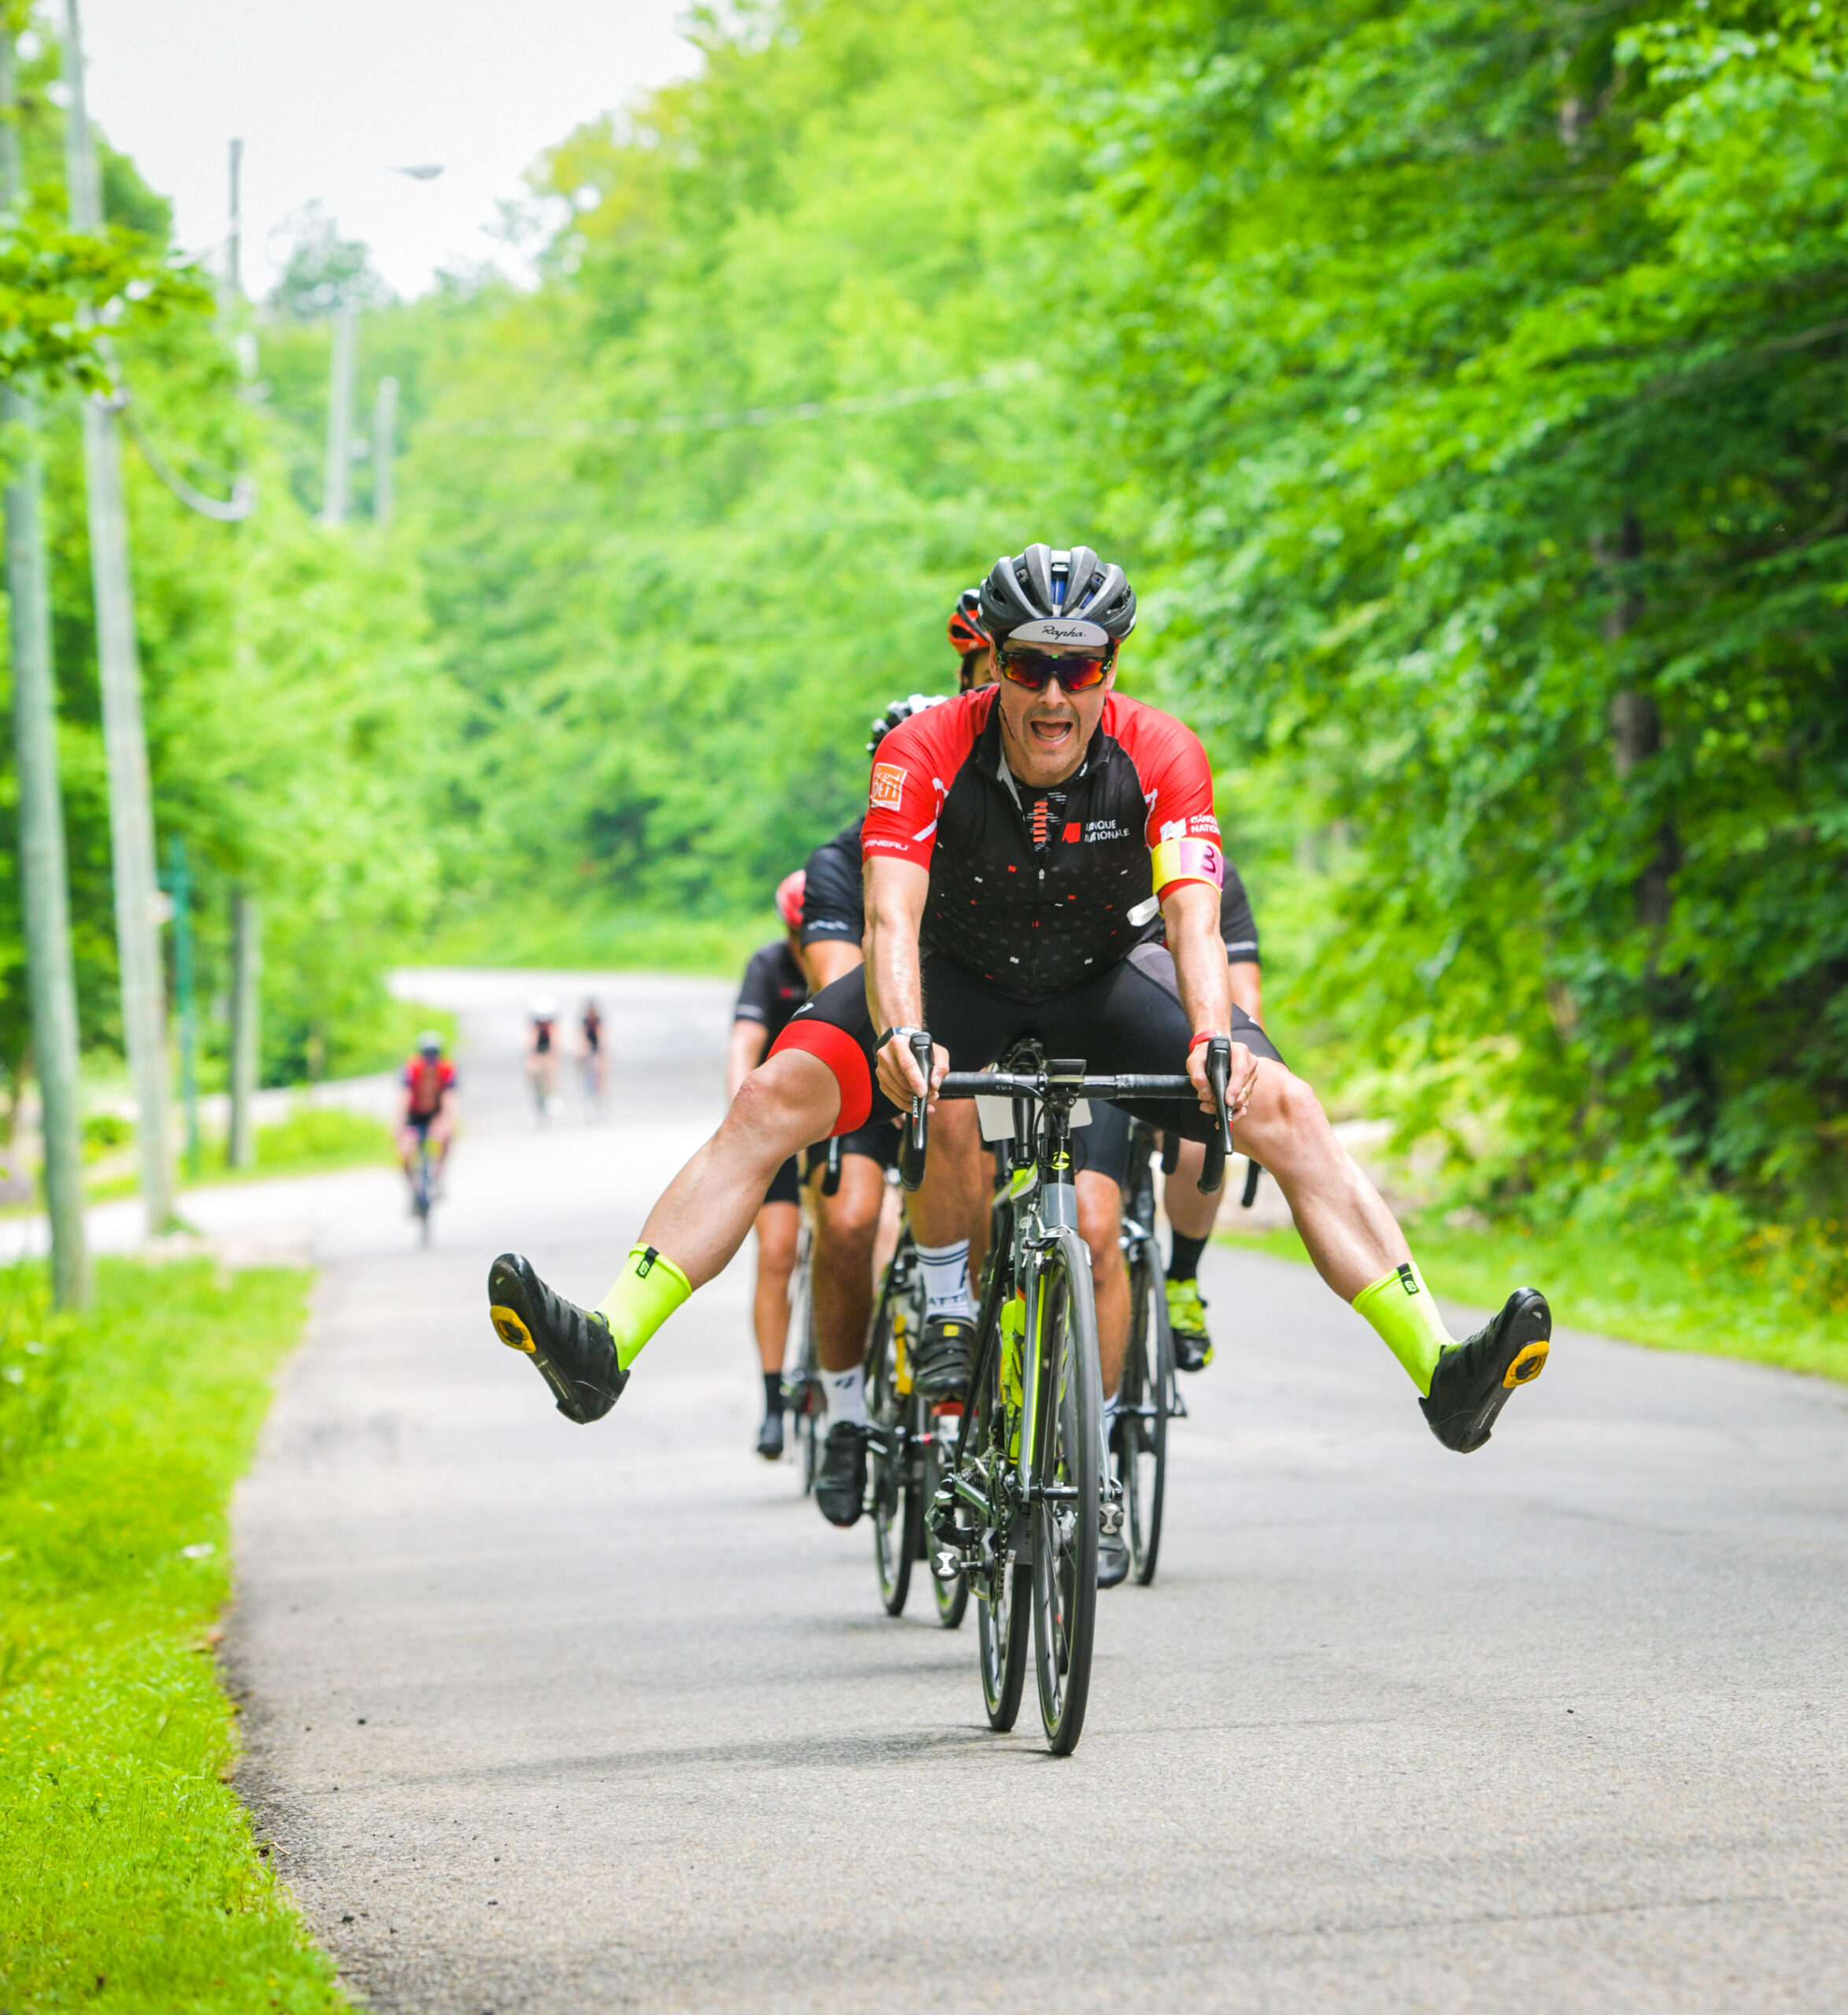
[714,422]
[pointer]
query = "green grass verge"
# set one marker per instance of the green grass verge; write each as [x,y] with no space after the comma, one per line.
[1654,1287]
[312,1140]
[128,1876]
[602,941]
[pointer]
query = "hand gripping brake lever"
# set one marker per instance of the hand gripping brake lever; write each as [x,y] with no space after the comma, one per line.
[1218,1069]
[911,1140]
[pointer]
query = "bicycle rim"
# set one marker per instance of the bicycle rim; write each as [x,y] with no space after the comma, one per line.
[1142,1428]
[1064,1530]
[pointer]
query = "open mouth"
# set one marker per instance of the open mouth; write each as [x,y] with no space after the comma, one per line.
[1050,734]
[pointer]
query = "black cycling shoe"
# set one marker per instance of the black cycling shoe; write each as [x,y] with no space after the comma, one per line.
[1473,1379]
[770,1437]
[571,1346]
[841,1482]
[946,1358]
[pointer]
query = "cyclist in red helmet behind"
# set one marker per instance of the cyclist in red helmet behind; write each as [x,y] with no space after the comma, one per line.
[427,1108]
[774,986]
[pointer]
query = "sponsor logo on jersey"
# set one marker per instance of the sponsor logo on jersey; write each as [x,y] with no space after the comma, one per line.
[1106,828]
[888,786]
[1204,821]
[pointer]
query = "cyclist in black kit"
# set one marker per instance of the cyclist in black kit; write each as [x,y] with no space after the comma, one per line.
[774,986]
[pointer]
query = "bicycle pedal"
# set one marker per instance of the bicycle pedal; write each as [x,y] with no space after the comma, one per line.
[1110,1518]
[1177,1408]
[946,1563]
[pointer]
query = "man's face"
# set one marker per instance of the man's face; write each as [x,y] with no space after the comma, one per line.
[1047,732]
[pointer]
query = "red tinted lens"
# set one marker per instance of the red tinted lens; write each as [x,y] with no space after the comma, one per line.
[1033,669]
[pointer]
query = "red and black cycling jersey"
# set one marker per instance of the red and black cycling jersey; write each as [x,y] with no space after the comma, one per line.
[774,986]
[833,909]
[427,1082]
[1037,891]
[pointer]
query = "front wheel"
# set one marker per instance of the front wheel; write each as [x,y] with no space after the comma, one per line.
[1068,1443]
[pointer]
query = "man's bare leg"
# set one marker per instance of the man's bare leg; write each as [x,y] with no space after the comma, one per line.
[788,1102]
[1352,1238]
[777,1226]
[847,1224]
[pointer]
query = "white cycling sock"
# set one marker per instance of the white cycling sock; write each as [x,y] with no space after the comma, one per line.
[845,1392]
[946,1279]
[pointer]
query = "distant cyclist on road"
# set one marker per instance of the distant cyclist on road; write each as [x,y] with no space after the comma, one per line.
[590,1053]
[1020,842]
[774,987]
[427,1108]
[542,1052]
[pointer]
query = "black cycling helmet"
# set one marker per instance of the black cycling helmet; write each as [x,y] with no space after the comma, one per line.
[900,710]
[1043,595]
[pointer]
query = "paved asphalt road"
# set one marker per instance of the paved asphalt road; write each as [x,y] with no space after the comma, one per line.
[547,1718]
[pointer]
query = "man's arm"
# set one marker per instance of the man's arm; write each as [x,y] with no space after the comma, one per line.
[749,1040]
[1190,912]
[896,892]
[827,959]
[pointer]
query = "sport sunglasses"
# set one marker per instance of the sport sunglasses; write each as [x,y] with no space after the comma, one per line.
[1036,670]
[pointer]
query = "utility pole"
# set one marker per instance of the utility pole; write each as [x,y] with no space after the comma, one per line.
[385,451]
[131,822]
[44,887]
[179,890]
[337,487]
[234,238]
[246,967]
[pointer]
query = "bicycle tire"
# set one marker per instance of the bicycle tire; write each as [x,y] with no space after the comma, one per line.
[1142,1416]
[1067,1456]
[895,1511]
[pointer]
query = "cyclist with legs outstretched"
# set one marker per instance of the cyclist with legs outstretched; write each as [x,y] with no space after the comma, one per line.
[774,986]
[1019,842]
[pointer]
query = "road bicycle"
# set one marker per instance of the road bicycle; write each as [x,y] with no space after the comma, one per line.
[910,1442]
[422,1184]
[1018,1514]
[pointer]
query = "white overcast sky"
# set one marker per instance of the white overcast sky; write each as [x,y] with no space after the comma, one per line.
[329,95]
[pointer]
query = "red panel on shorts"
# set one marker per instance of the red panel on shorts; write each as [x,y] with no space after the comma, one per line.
[844,1056]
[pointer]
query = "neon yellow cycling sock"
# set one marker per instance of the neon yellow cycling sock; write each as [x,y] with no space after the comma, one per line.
[1400,1307]
[648,1291]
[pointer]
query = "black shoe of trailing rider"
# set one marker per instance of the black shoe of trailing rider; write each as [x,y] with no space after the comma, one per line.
[841,1482]
[570,1347]
[770,1437]
[946,1358]
[1473,1379]
[1113,1558]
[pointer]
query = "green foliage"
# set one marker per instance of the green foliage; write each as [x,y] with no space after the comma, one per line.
[128,1878]
[1487,366]
[671,634]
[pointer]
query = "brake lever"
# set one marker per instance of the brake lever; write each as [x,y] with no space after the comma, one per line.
[914,1138]
[1218,1067]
